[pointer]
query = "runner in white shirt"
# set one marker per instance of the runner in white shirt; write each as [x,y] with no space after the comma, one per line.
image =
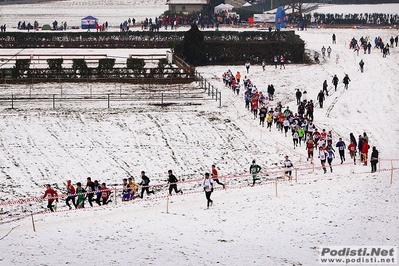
[288,168]
[323,154]
[207,184]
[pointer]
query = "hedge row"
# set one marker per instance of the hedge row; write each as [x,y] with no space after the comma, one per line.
[221,47]
[135,68]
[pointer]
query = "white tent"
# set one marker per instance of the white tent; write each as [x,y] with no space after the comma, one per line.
[222,7]
[246,4]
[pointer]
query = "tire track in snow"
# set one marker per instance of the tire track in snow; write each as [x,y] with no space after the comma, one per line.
[165,137]
[228,135]
[80,161]
[332,105]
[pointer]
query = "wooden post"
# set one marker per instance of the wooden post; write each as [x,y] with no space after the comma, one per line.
[167,204]
[391,172]
[108,102]
[33,222]
[224,179]
[379,165]
[12,101]
[53,101]
[276,188]
[115,195]
[296,175]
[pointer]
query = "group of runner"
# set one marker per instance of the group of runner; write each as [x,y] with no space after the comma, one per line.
[79,194]
[365,44]
[100,194]
[299,125]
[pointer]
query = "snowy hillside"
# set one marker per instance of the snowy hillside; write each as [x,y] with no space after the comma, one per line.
[358,9]
[245,225]
[72,11]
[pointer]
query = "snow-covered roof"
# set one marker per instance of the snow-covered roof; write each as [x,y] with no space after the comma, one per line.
[223,7]
[187,2]
[89,17]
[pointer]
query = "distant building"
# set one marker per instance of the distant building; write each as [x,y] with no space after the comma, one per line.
[187,6]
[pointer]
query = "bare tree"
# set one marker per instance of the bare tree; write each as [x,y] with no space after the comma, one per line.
[296,6]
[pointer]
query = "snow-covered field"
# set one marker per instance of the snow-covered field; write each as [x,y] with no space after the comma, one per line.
[358,9]
[114,12]
[246,225]
[323,8]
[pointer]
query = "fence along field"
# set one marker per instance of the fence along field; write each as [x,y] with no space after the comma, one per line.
[118,90]
[106,95]
[272,178]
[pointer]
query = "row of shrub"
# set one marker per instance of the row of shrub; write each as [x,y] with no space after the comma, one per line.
[218,47]
[164,38]
[105,68]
